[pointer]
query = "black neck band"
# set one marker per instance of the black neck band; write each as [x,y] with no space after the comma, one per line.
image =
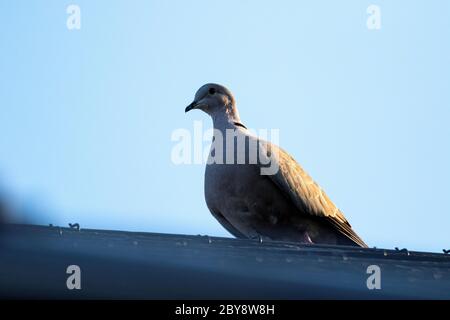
[240,125]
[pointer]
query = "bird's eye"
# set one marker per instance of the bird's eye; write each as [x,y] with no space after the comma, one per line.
[212,91]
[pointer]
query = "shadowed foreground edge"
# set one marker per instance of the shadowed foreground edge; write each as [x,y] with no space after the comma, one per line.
[129,265]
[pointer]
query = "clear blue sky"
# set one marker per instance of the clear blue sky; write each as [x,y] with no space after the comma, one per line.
[86,115]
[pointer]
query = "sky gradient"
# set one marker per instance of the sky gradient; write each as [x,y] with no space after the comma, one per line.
[86,116]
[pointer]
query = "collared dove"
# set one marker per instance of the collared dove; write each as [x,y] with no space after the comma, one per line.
[285,204]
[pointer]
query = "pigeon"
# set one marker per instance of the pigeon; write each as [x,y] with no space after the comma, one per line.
[256,190]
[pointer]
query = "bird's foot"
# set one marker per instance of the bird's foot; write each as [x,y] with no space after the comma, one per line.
[259,238]
[306,239]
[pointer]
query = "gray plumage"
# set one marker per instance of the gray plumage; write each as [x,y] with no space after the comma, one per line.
[287,205]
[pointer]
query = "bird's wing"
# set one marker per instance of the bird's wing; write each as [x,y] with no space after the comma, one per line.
[306,194]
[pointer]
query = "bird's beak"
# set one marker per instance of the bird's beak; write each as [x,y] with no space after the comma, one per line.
[195,105]
[191,106]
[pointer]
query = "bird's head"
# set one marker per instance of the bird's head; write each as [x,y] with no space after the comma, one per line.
[213,99]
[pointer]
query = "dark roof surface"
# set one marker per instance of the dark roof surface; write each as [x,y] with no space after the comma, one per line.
[116,264]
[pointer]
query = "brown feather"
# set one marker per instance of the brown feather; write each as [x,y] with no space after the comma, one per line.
[307,195]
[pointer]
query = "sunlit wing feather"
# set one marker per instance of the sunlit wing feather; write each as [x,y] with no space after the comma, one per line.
[306,194]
